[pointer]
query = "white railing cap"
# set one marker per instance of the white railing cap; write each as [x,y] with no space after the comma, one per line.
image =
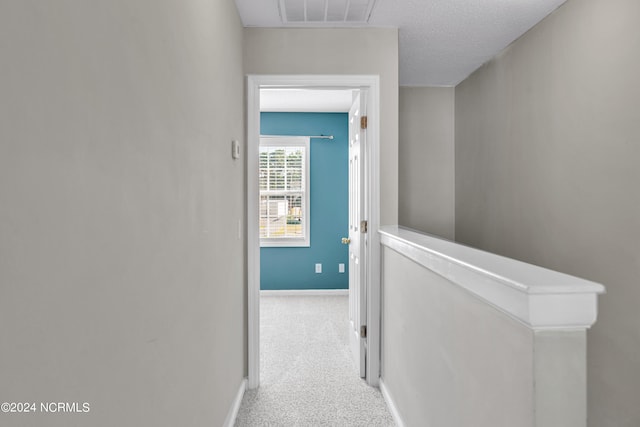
[538,297]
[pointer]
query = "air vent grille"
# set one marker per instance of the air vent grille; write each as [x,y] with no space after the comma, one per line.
[326,11]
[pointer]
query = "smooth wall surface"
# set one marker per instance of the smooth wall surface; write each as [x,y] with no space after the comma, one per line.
[340,51]
[547,149]
[294,268]
[426,160]
[560,370]
[121,268]
[449,359]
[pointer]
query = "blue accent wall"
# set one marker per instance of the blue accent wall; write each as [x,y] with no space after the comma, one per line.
[294,268]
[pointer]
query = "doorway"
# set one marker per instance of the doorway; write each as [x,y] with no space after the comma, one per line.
[369,299]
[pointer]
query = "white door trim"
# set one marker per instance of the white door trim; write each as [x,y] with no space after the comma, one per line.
[372,249]
[305,293]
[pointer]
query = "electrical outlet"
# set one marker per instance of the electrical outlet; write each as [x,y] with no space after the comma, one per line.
[318,268]
[340,268]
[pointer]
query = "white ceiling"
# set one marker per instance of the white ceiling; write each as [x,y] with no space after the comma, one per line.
[306,100]
[441,41]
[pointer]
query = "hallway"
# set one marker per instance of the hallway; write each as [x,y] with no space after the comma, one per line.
[308,377]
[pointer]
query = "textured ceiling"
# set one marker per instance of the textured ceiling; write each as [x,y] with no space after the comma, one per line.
[441,41]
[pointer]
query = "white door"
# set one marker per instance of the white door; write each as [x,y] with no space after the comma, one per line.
[356,241]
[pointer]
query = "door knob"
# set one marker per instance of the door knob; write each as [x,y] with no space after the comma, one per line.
[346,240]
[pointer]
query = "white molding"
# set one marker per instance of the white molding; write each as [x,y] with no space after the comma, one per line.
[235,405]
[253,232]
[391,404]
[372,83]
[373,260]
[304,292]
[539,298]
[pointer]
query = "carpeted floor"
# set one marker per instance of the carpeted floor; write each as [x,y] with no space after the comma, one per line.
[308,377]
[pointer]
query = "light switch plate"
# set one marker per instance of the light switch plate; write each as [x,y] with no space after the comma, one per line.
[235,149]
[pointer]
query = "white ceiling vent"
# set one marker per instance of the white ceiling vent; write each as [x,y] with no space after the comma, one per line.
[325,11]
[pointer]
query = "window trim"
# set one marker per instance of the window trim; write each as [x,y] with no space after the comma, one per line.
[292,141]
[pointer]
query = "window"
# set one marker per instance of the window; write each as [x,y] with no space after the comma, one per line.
[284,191]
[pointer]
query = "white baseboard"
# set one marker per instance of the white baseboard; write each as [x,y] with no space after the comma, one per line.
[235,407]
[304,292]
[391,404]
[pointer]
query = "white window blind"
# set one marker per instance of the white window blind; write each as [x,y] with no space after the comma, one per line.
[284,194]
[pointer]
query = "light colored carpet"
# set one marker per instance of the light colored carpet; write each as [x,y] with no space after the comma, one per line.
[308,377]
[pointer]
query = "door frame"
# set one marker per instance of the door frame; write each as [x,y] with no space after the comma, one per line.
[372,207]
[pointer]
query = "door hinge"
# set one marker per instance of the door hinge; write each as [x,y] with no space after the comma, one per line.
[364,226]
[363,122]
[363,331]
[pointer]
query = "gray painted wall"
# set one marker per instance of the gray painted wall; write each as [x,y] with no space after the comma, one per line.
[450,359]
[340,51]
[426,160]
[121,271]
[442,349]
[547,150]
